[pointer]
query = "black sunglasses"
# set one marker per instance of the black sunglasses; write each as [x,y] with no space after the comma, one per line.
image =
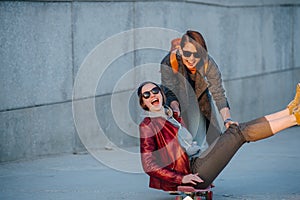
[188,54]
[154,90]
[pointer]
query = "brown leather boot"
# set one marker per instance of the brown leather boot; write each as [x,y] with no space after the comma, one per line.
[296,101]
[297,115]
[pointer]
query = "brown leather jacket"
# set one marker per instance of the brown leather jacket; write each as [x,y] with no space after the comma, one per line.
[176,84]
[163,158]
[208,84]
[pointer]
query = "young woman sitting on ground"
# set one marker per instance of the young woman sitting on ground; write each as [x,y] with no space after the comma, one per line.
[169,155]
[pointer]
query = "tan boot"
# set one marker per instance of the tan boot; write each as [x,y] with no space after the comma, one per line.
[296,101]
[297,115]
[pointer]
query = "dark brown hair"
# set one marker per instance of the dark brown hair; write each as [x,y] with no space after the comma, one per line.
[195,38]
[139,93]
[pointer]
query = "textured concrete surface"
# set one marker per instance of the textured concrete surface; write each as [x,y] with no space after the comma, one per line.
[36,54]
[264,170]
[40,130]
[44,44]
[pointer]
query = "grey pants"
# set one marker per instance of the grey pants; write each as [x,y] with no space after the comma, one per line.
[217,156]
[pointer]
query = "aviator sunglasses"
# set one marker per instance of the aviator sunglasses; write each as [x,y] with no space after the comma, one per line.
[147,94]
[188,54]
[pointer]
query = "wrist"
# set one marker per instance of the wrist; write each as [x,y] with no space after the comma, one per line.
[227,120]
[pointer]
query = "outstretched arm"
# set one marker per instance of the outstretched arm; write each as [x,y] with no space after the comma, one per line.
[226,116]
[217,90]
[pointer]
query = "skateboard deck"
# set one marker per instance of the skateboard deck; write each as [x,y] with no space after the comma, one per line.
[190,193]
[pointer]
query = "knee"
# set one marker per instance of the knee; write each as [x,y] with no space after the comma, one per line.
[247,133]
[237,130]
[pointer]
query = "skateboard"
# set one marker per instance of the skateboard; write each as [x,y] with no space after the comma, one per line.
[190,193]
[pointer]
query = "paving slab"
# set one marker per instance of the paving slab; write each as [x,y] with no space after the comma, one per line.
[268,169]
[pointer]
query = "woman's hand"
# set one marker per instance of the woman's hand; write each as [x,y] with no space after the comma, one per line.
[192,178]
[229,122]
[225,112]
[175,107]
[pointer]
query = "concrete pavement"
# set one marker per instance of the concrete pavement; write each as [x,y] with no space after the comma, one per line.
[268,169]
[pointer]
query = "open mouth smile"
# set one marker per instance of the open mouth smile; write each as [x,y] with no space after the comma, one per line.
[155,101]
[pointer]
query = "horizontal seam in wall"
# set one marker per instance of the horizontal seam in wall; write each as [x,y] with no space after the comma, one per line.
[243,6]
[261,74]
[107,94]
[62,102]
[101,1]
[180,1]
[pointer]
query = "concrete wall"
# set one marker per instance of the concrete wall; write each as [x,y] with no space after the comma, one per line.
[47,45]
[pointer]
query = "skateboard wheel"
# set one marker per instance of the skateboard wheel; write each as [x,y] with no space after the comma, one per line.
[178,198]
[209,195]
